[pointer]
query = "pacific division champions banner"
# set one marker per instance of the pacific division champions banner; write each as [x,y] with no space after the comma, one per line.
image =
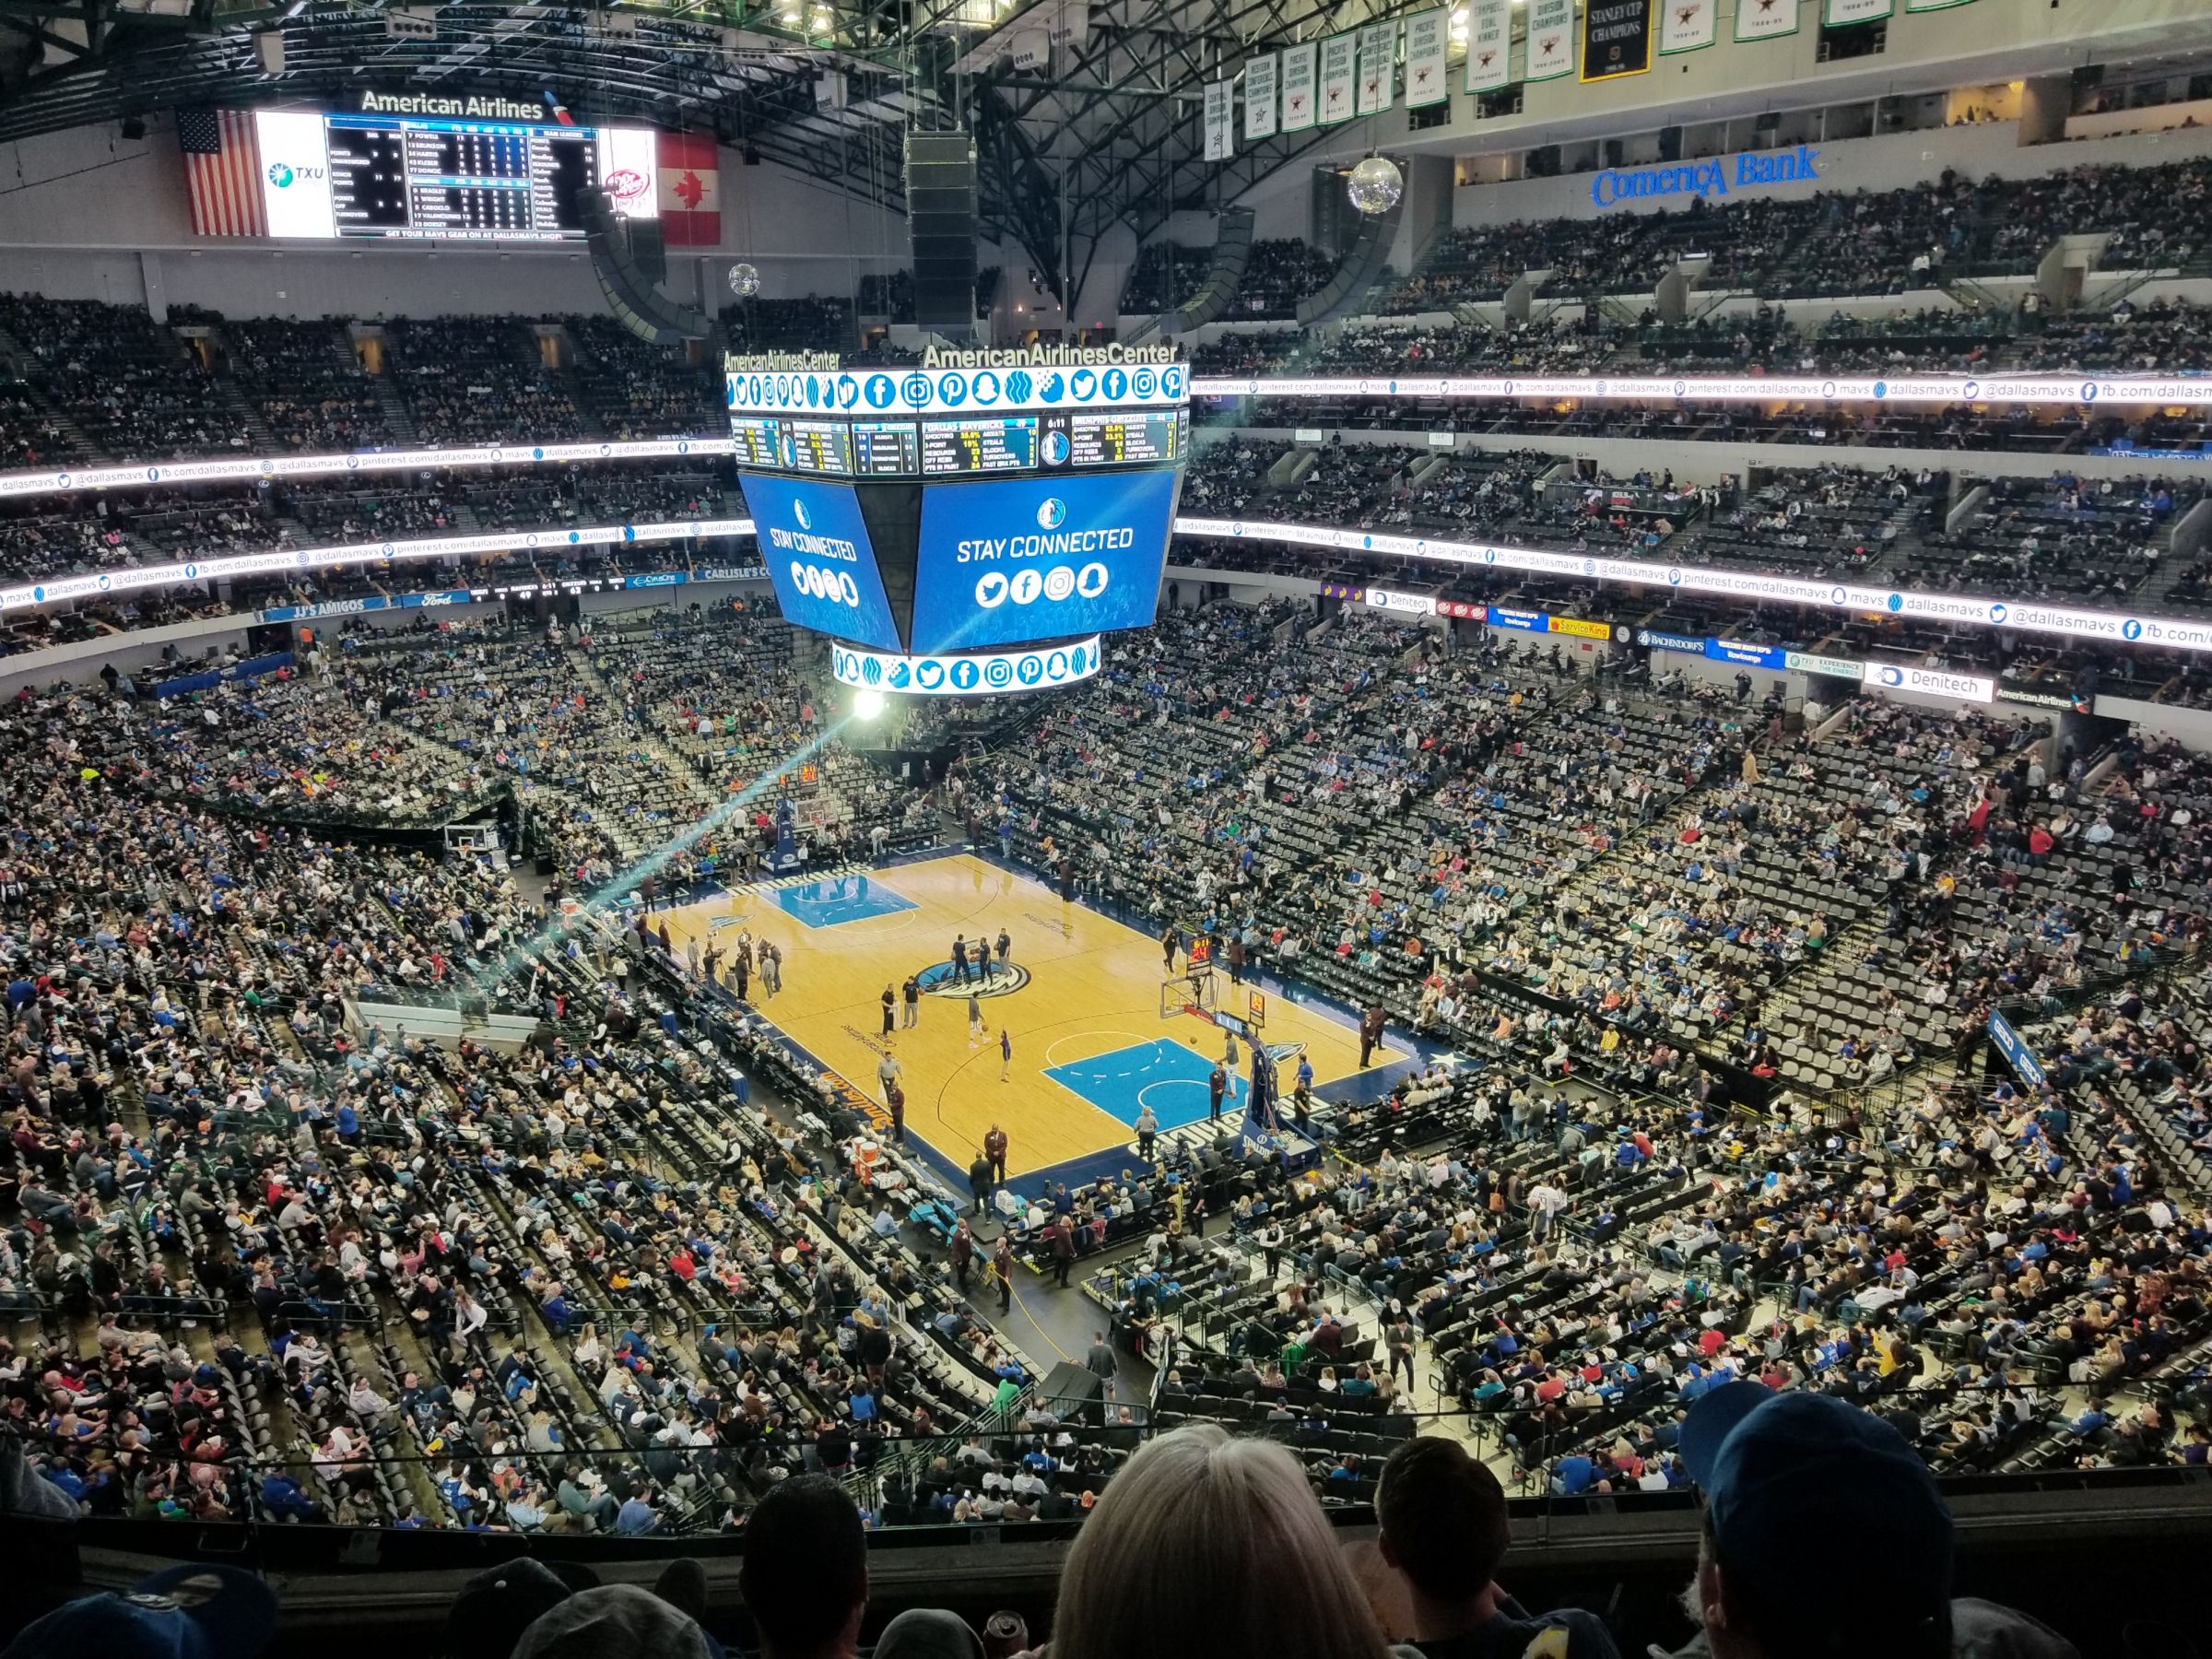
[1427,37]
[1298,86]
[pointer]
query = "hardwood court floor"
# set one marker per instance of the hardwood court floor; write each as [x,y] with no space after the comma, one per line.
[1091,995]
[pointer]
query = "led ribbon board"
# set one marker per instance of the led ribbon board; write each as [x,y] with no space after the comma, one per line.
[864,393]
[99,584]
[224,469]
[2031,616]
[2029,389]
[971,673]
[1984,611]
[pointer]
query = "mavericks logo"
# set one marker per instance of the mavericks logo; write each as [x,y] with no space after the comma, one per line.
[1052,514]
[798,511]
[939,980]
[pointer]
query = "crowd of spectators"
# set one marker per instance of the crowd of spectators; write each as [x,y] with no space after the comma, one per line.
[1834,243]
[1279,272]
[474,380]
[307,384]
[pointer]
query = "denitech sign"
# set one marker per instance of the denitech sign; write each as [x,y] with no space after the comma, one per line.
[1707,179]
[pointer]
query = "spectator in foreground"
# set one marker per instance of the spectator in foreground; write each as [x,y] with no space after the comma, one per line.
[805,1580]
[1443,1531]
[1220,1542]
[1797,1486]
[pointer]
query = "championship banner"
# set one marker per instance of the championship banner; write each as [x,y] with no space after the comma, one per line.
[1218,147]
[1377,65]
[1765,20]
[1428,36]
[1858,11]
[1617,38]
[1688,24]
[1490,45]
[1551,40]
[1339,77]
[1259,98]
[1298,86]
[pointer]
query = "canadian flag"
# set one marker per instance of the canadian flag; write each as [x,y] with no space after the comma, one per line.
[690,191]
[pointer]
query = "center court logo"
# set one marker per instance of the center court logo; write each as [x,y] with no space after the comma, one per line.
[999,980]
[1051,513]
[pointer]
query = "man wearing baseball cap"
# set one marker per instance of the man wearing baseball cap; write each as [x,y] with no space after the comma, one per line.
[1799,1487]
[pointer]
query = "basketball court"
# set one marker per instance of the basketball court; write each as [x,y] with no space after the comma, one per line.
[1099,1032]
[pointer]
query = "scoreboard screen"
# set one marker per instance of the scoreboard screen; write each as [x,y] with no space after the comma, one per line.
[1013,561]
[887,449]
[1123,437]
[399,177]
[953,447]
[756,440]
[814,540]
[818,446]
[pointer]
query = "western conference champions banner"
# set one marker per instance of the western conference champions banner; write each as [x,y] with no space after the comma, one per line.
[1259,98]
[1551,40]
[1339,77]
[1687,26]
[1617,38]
[1428,38]
[1298,86]
[1377,65]
[1765,20]
[1490,45]
[1857,11]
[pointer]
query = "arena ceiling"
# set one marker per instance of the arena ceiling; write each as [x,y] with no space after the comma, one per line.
[1084,115]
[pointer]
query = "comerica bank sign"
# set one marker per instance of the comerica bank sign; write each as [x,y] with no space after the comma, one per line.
[1712,178]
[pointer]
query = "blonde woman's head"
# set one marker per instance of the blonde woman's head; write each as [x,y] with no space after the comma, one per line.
[1219,1541]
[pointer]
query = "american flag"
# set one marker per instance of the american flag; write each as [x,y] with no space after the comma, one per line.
[222,172]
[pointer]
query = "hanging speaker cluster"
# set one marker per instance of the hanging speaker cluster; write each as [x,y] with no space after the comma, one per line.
[631,260]
[940,207]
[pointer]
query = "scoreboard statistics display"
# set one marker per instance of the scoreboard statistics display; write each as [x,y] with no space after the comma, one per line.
[758,440]
[887,449]
[817,446]
[1125,437]
[397,177]
[1007,443]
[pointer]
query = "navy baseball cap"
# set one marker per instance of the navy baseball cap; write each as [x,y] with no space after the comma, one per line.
[228,1614]
[1794,1480]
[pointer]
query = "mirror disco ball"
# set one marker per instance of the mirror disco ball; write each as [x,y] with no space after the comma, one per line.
[1376,185]
[745,281]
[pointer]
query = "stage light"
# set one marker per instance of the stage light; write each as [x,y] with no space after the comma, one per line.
[867,705]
